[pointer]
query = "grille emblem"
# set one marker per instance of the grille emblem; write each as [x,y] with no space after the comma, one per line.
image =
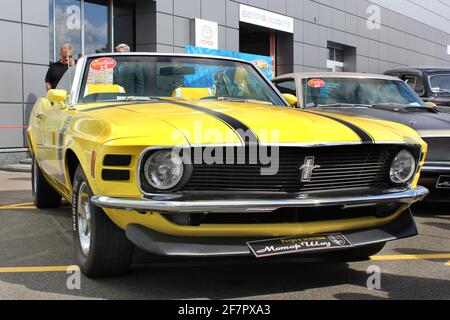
[307,169]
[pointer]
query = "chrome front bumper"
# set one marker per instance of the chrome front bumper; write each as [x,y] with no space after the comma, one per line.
[242,205]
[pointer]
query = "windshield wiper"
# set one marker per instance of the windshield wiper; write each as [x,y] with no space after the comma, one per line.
[349,105]
[441,90]
[394,104]
[132,99]
[240,100]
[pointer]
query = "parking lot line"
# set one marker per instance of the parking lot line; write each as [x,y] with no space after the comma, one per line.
[18,206]
[411,257]
[38,269]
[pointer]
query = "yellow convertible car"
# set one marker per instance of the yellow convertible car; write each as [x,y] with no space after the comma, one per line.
[202,156]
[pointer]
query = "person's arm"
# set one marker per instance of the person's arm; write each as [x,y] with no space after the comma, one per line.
[48,79]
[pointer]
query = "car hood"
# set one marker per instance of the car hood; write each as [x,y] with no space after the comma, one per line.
[214,122]
[420,119]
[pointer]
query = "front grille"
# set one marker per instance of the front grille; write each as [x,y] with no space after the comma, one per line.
[438,148]
[341,167]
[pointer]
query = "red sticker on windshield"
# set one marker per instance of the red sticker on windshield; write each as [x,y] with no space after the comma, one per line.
[316,83]
[103,64]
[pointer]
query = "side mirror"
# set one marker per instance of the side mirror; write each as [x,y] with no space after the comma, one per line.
[291,99]
[57,96]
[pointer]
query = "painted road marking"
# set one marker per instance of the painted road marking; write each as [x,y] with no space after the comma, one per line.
[218,263]
[411,257]
[38,269]
[18,206]
[22,206]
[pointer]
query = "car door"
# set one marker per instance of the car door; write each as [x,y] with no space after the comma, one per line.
[54,122]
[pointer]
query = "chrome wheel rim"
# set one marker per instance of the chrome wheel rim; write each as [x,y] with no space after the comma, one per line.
[84,218]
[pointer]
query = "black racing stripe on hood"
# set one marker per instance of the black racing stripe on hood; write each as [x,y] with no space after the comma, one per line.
[363,135]
[245,134]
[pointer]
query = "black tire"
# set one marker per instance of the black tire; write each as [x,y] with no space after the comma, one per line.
[364,253]
[110,252]
[44,196]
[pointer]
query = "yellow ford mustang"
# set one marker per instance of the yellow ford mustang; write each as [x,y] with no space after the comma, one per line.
[202,156]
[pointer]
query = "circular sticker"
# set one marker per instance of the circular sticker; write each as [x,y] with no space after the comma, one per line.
[102,64]
[316,83]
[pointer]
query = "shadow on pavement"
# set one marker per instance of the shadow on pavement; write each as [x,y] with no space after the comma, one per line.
[232,282]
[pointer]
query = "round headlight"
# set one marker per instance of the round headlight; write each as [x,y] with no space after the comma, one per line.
[163,170]
[403,167]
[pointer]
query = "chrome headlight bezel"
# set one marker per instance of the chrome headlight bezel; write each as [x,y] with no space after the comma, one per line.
[402,157]
[167,157]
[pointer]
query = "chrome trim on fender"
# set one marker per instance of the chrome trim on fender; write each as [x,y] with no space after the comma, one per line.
[231,206]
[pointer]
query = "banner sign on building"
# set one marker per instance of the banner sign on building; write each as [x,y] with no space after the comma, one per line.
[205,33]
[266,19]
[263,63]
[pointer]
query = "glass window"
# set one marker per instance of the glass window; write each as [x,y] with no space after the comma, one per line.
[67,80]
[287,86]
[415,83]
[96,26]
[335,54]
[339,55]
[51,55]
[440,83]
[332,91]
[124,77]
[68,25]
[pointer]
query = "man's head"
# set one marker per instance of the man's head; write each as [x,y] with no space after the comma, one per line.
[65,53]
[123,48]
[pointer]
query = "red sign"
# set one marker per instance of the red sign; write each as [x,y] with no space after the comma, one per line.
[103,64]
[316,83]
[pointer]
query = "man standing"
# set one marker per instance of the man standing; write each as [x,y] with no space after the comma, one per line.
[129,74]
[56,70]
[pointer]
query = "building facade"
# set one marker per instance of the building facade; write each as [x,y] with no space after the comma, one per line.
[300,35]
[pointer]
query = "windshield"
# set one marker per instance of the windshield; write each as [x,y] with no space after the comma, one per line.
[440,83]
[357,91]
[130,78]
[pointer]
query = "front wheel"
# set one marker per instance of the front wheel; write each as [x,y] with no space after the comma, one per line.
[101,247]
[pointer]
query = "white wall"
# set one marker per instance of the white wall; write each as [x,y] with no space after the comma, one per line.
[435,13]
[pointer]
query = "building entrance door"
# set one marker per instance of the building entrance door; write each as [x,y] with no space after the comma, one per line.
[268,42]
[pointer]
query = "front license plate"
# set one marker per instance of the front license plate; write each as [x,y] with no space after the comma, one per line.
[275,247]
[443,182]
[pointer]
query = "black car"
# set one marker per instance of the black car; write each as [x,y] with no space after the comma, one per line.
[382,97]
[432,84]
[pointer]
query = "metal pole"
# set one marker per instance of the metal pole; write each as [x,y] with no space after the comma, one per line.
[111,25]
[82,28]
[54,28]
